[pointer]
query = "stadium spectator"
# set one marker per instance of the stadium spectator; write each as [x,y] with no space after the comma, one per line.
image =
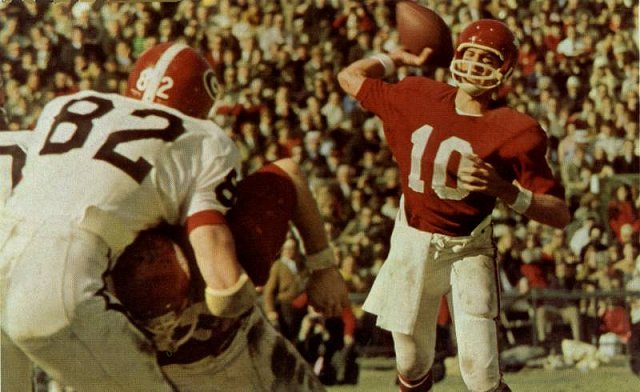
[622,210]
[627,160]
[284,298]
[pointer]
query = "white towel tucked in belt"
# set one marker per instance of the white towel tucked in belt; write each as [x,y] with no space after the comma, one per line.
[396,292]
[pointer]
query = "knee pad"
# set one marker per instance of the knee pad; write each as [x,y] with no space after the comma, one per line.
[481,304]
[411,361]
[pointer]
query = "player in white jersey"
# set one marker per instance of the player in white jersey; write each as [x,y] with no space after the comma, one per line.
[200,352]
[13,156]
[101,168]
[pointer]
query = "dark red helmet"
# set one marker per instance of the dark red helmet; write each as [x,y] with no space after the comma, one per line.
[492,36]
[175,75]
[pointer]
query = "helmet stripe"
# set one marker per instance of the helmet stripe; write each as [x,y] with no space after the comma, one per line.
[160,69]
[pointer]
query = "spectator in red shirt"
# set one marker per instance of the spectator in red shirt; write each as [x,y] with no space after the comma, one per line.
[622,211]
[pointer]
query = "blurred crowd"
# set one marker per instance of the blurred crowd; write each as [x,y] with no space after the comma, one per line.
[277,61]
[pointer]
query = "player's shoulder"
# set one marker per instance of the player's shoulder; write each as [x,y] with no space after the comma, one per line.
[21,138]
[421,83]
[79,95]
[205,128]
[518,124]
[520,131]
[196,131]
[203,135]
[426,88]
[517,121]
[55,106]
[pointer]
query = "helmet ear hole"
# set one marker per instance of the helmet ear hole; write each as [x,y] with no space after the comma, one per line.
[211,85]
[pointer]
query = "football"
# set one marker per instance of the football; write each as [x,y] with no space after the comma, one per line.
[420,27]
[151,277]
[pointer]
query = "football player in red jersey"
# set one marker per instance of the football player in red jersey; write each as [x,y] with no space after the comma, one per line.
[457,155]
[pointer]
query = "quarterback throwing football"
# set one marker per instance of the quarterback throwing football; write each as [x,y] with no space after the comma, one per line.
[457,156]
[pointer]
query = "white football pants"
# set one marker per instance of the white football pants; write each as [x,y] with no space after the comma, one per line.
[53,309]
[467,275]
[259,359]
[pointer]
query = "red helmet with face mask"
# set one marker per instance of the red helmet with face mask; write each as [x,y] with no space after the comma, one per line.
[175,75]
[494,37]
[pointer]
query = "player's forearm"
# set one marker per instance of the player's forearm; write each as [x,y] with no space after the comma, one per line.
[546,209]
[549,210]
[229,292]
[215,254]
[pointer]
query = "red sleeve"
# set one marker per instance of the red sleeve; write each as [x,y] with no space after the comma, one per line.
[528,154]
[339,21]
[207,217]
[534,275]
[349,321]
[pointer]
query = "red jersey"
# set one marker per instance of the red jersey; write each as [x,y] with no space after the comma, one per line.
[429,138]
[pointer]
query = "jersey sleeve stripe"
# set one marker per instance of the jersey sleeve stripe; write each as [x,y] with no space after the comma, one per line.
[207,217]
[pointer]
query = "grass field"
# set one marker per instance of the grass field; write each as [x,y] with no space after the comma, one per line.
[377,375]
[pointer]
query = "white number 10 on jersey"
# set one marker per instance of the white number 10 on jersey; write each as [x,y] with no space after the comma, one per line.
[420,139]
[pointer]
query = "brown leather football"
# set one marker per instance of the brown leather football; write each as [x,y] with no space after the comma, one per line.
[420,27]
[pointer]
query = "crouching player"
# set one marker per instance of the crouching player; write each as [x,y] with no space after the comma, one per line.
[200,352]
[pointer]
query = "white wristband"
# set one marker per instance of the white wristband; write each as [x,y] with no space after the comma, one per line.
[523,201]
[233,301]
[321,260]
[387,63]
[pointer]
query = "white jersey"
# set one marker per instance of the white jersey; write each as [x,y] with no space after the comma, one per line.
[116,166]
[13,156]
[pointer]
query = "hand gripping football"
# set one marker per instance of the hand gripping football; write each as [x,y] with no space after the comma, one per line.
[420,27]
